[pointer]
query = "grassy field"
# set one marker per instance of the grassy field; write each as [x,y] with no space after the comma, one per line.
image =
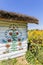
[34,56]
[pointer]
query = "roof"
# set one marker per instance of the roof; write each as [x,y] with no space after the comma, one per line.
[4,15]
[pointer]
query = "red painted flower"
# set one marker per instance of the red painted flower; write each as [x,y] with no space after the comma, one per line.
[19,39]
[10,33]
[9,40]
[7,45]
[17,33]
[20,44]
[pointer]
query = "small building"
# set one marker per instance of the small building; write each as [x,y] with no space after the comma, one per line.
[13,34]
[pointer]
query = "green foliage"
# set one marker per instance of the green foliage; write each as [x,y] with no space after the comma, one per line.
[30,57]
[35,53]
[8,62]
[34,60]
[40,57]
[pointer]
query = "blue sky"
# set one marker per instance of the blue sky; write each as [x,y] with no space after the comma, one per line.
[28,7]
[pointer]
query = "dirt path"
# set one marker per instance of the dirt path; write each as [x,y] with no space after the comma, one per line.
[22,61]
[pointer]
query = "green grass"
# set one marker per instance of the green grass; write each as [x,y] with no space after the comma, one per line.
[35,57]
[8,62]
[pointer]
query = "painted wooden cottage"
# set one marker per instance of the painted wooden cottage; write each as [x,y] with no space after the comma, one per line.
[13,34]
